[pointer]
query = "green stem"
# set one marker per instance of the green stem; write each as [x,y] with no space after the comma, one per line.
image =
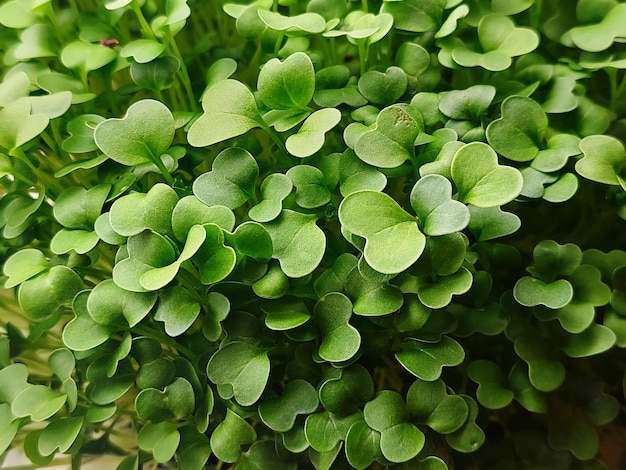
[364,6]
[363,52]
[142,20]
[276,139]
[614,87]
[185,73]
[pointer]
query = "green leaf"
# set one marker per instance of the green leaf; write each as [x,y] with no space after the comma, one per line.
[111,305]
[310,137]
[415,16]
[143,50]
[23,265]
[155,75]
[177,309]
[469,104]
[274,189]
[293,25]
[500,40]
[190,211]
[437,212]
[379,219]
[356,175]
[148,130]
[400,440]
[161,439]
[133,213]
[81,130]
[83,333]
[9,425]
[290,233]
[214,260]
[487,223]
[85,57]
[603,159]
[230,110]
[285,314]
[43,295]
[391,142]
[311,190]
[544,371]
[176,401]
[288,84]
[430,403]
[18,126]
[481,181]
[340,340]
[37,402]
[594,340]
[243,367]
[470,437]
[372,296]
[298,397]
[518,134]
[427,360]
[552,260]
[601,35]
[493,389]
[231,181]
[383,88]
[362,445]
[324,430]
[59,435]
[347,391]
[530,291]
[230,435]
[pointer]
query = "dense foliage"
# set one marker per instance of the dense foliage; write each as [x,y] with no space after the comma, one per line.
[313,234]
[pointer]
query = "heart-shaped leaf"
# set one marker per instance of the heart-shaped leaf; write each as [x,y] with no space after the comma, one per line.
[141,254]
[43,295]
[176,401]
[575,436]
[437,292]
[438,213]
[230,110]
[400,440]
[382,222]
[274,189]
[469,104]
[356,175]
[9,425]
[59,435]
[83,333]
[231,181]
[371,296]
[347,391]
[85,57]
[286,314]
[148,130]
[230,435]
[416,15]
[37,402]
[383,88]
[214,260]
[340,340]
[391,142]
[500,40]
[518,134]
[190,211]
[594,340]
[81,130]
[288,84]
[362,445]
[161,439]
[293,25]
[23,265]
[546,373]
[143,50]
[177,309]
[298,397]
[290,232]
[480,180]
[525,394]
[530,291]
[430,403]
[133,213]
[18,126]
[493,389]
[311,191]
[601,35]
[109,304]
[157,74]
[469,437]
[324,431]
[552,260]
[243,367]
[603,159]
[487,223]
[310,137]
[427,360]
